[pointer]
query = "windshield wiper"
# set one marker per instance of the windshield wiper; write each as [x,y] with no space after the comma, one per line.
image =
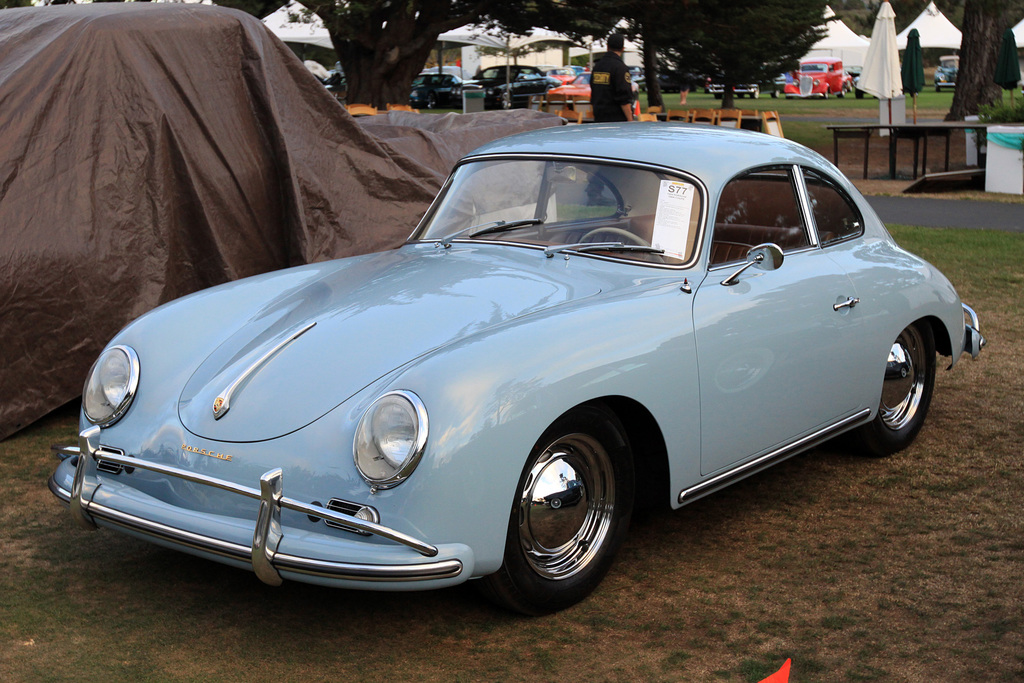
[489,228]
[601,246]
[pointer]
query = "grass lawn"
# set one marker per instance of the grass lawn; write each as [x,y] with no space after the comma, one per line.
[900,569]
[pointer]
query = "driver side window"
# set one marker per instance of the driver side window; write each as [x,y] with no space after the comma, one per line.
[755,208]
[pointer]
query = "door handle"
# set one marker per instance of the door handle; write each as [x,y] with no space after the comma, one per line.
[850,302]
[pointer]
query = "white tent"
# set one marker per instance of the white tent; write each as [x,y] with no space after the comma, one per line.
[935,29]
[840,41]
[483,37]
[293,23]
[1018,33]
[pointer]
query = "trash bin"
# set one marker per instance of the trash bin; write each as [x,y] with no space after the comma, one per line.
[472,99]
[1004,165]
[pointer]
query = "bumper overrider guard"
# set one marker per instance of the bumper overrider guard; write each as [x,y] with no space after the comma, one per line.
[263,554]
[973,341]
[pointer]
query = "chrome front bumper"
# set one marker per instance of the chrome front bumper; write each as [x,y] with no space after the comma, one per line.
[263,553]
[973,341]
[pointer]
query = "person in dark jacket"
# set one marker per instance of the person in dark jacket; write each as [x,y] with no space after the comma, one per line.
[611,90]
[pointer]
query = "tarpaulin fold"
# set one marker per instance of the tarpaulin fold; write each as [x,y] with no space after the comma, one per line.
[151,150]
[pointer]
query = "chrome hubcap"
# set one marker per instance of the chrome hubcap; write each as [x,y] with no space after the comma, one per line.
[566,505]
[904,380]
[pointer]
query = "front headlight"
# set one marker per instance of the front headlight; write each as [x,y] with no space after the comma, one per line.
[390,439]
[111,385]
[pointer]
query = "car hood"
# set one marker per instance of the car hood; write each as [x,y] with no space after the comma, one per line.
[369,316]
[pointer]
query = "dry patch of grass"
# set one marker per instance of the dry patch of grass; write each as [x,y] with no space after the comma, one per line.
[900,569]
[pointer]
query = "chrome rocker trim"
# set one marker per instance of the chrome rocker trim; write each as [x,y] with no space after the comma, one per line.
[263,554]
[757,464]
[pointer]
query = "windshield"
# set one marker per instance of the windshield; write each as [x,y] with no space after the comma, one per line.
[549,203]
[814,68]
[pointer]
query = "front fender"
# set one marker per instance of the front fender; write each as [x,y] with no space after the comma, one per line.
[490,397]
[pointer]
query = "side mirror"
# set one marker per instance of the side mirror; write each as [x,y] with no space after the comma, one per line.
[765,256]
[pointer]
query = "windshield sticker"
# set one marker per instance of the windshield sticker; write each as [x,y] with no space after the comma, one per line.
[672,217]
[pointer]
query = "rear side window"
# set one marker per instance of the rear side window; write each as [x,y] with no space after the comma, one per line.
[835,215]
[756,208]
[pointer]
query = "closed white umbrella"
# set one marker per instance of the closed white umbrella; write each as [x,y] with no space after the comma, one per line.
[881,75]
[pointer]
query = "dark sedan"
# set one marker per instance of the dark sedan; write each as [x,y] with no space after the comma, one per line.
[430,91]
[504,91]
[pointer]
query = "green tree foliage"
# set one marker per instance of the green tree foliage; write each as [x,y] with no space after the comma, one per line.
[382,44]
[737,41]
[5,4]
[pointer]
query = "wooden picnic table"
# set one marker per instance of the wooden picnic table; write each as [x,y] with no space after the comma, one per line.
[897,131]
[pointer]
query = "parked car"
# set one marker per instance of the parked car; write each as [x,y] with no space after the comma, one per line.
[522,82]
[946,71]
[854,73]
[430,91]
[819,76]
[580,88]
[585,320]
[562,74]
[716,88]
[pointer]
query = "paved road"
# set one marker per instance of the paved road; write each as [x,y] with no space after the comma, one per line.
[949,213]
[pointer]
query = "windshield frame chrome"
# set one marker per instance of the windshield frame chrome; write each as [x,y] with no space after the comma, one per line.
[416,236]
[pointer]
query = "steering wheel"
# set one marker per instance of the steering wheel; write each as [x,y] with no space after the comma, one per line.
[617,232]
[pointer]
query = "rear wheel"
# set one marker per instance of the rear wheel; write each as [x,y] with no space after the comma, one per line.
[570,515]
[906,392]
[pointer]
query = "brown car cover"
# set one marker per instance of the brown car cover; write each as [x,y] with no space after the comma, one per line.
[151,150]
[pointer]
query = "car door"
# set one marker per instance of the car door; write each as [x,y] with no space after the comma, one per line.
[773,351]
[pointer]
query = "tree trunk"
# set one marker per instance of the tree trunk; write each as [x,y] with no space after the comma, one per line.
[380,76]
[984,23]
[383,45]
[650,57]
[728,101]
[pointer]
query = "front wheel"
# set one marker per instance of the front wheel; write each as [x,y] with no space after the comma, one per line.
[569,517]
[906,392]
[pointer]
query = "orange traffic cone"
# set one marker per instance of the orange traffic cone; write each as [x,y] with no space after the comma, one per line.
[780,676]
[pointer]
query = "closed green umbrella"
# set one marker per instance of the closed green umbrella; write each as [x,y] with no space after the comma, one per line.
[1008,68]
[912,70]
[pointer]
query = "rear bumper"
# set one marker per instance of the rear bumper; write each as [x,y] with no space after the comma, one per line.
[974,342]
[271,550]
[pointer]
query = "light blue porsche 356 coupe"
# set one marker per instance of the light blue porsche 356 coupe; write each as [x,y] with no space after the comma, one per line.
[586,318]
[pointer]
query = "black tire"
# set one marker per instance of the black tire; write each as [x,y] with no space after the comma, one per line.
[858,94]
[431,100]
[906,392]
[556,550]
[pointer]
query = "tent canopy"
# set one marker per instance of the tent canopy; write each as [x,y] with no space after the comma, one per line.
[839,41]
[934,28]
[293,23]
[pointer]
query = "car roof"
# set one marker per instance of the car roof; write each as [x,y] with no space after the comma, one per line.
[710,153]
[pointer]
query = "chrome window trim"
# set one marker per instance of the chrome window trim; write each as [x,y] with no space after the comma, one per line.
[733,264]
[580,158]
[421,442]
[267,532]
[842,193]
[801,208]
[803,199]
